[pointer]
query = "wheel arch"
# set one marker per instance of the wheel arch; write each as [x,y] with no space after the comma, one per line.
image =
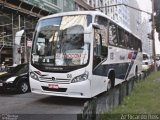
[22,79]
[111,73]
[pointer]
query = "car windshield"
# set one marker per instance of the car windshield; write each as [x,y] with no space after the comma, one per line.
[60,42]
[19,69]
[145,57]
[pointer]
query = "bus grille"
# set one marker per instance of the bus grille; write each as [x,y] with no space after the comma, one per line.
[55,80]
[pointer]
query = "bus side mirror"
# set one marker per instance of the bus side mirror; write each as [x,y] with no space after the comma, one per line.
[96,26]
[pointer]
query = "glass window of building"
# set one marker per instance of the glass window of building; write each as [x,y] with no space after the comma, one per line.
[53,1]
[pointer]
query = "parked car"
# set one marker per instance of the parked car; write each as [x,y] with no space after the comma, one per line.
[16,78]
[147,63]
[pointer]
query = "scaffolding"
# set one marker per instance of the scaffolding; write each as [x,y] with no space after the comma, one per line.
[12,23]
[16,15]
[9,25]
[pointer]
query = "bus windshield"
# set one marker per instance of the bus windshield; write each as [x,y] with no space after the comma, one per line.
[60,42]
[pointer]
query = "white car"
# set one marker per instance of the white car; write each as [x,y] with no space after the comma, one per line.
[147,62]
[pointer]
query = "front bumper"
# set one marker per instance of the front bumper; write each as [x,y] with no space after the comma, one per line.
[76,90]
[7,86]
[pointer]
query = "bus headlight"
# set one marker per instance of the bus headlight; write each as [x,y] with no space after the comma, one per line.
[80,78]
[34,76]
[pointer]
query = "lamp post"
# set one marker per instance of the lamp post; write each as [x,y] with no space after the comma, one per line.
[153,36]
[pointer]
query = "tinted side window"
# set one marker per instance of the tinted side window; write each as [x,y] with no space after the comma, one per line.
[135,43]
[124,38]
[131,42]
[102,21]
[121,35]
[113,38]
[104,38]
[140,45]
[145,57]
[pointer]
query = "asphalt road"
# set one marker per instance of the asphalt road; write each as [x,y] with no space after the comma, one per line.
[41,106]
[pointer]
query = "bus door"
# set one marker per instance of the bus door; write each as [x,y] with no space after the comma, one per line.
[100,53]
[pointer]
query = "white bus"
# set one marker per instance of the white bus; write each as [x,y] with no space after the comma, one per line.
[82,54]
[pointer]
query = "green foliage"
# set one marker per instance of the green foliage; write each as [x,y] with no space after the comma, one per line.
[144,99]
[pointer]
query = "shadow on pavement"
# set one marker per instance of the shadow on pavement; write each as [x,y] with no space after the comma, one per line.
[62,101]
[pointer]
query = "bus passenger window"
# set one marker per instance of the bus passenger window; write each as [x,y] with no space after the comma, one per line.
[126,40]
[102,21]
[121,36]
[139,46]
[131,42]
[113,35]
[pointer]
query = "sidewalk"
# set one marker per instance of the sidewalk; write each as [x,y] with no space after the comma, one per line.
[143,100]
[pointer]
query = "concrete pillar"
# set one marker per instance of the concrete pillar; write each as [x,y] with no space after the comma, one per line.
[16,55]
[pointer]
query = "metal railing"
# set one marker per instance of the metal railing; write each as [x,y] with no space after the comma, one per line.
[6,44]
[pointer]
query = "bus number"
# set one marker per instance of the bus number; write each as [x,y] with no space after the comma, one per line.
[112,56]
[69,75]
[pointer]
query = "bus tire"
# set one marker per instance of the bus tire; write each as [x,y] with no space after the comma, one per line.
[112,82]
[111,78]
[109,85]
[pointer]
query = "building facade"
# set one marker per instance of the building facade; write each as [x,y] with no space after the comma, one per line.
[145,28]
[129,17]
[119,13]
[17,15]
[135,17]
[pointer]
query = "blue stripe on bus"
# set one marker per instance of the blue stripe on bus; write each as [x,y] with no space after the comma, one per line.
[120,70]
[134,56]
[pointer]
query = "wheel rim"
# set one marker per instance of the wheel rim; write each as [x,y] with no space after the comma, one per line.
[24,87]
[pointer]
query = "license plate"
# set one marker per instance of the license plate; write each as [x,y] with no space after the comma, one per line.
[1,84]
[53,86]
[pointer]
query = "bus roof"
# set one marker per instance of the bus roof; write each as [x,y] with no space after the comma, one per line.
[93,13]
[72,13]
